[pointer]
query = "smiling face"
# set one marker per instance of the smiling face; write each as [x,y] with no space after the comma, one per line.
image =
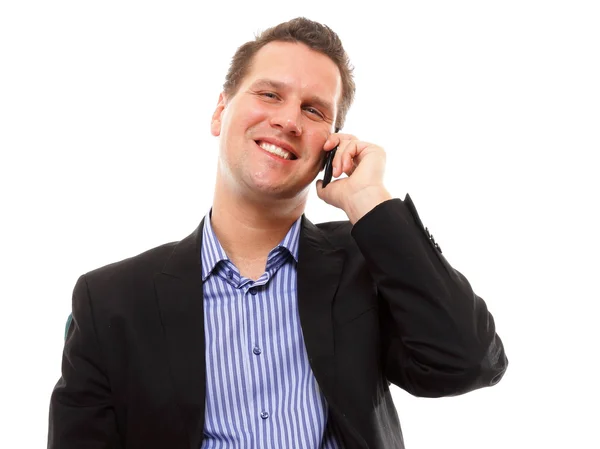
[272,131]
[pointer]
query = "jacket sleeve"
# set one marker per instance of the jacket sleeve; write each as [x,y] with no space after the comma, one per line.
[81,413]
[438,338]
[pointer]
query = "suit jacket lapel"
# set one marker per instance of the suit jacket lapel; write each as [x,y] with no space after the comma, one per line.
[181,303]
[319,269]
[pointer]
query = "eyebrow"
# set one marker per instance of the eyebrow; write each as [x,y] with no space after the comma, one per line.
[278,85]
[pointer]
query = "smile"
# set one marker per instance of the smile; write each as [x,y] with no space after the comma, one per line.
[277,151]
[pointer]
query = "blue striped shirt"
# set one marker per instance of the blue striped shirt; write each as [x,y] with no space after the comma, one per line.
[260,390]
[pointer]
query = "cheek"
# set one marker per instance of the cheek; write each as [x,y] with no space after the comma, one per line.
[251,115]
[239,118]
[316,140]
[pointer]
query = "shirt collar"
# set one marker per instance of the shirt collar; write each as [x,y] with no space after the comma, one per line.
[212,252]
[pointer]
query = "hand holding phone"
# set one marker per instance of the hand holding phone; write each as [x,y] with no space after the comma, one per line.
[328,167]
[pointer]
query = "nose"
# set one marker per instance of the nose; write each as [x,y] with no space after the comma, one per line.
[287,119]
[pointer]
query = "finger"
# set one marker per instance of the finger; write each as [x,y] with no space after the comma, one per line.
[346,136]
[336,139]
[347,160]
[324,193]
[347,152]
[358,149]
[338,161]
[353,166]
[330,144]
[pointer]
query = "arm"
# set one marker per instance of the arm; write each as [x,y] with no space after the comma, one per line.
[438,337]
[81,412]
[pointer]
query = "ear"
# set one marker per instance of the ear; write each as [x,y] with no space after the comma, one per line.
[215,124]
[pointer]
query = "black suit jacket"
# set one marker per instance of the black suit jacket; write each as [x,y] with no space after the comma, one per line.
[378,303]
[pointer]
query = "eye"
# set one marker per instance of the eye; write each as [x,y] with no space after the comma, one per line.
[314,112]
[271,95]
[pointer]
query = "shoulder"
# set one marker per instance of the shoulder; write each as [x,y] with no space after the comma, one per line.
[128,281]
[124,286]
[134,276]
[147,262]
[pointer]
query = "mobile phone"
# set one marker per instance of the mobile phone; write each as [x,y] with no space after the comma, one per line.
[329,164]
[328,167]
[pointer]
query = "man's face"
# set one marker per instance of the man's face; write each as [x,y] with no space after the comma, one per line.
[272,131]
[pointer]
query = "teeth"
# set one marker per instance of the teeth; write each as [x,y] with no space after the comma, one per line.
[274,149]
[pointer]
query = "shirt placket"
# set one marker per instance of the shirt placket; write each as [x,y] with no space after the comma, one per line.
[256,350]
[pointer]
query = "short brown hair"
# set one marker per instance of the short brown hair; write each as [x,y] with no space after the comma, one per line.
[316,36]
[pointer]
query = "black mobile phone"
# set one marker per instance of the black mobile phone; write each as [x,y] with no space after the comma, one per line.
[328,167]
[328,164]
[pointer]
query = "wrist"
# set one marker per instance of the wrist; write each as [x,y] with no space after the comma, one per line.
[362,202]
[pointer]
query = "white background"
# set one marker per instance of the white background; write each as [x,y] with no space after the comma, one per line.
[489,113]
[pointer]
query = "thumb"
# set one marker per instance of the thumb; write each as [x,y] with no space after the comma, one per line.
[320,189]
[330,192]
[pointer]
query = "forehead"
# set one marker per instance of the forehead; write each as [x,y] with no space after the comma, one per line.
[298,67]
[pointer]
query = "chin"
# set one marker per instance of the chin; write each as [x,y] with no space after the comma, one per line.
[276,191]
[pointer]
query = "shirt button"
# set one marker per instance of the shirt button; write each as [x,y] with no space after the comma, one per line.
[264,415]
[229,274]
[256,350]
[253,291]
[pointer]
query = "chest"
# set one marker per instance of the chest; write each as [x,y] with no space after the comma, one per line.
[258,372]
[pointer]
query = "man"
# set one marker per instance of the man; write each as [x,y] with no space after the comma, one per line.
[261,329]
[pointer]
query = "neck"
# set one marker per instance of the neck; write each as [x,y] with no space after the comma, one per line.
[249,228]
